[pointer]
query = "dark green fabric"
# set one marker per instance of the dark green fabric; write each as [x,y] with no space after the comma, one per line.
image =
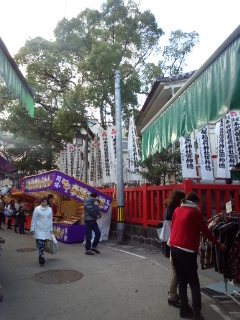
[15,84]
[208,98]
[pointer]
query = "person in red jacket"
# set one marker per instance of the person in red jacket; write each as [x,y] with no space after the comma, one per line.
[187,224]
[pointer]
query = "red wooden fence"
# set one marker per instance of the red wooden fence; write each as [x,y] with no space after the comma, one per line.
[144,205]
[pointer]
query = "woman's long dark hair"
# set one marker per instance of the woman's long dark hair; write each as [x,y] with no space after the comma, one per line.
[192,196]
[175,198]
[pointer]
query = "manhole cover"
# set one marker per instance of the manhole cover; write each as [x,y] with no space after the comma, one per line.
[26,250]
[58,276]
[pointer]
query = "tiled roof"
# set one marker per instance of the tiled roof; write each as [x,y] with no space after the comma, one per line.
[179,77]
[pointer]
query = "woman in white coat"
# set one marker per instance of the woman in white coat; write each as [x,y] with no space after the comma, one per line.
[42,226]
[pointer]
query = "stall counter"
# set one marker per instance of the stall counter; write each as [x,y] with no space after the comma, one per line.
[69,233]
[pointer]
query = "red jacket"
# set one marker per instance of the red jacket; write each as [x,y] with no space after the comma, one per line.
[187,223]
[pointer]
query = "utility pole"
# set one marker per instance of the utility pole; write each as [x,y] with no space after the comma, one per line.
[119,175]
[86,156]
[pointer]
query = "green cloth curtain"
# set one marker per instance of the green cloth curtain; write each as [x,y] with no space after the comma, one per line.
[14,82]
[208,98]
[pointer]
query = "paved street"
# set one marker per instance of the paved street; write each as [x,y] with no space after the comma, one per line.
[123,282]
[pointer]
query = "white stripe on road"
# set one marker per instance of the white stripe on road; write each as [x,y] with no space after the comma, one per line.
[133,254]
[219,311]
[138,256]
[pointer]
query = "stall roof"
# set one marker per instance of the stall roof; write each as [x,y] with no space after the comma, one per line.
[15,80]
[65,185]
[207,96]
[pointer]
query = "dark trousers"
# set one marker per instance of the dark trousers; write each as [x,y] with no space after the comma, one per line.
[9,223]
[21,227]
[2,218]
[16,225]
[40,244]
[92,226]
[186,269]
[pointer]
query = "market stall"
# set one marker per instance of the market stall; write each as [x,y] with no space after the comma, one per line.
[29,202]
[69,195]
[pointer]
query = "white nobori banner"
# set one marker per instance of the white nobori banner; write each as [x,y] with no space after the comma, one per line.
[103,136]
[111,134]
[133,154]
[188,160]
[93,163]
[204,152]
[63,160]
[230,146]
[70,158]
[235,117]
[221,166]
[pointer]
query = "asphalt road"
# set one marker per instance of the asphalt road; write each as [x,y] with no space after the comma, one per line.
[123,282]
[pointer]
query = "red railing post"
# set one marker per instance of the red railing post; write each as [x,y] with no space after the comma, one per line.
[145,206]
[187,186]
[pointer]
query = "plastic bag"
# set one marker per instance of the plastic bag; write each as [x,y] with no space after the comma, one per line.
[51,246]
[54,240]
[164,233]
[6,212]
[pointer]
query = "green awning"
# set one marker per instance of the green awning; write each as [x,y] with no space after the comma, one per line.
[208,98]
[15,80]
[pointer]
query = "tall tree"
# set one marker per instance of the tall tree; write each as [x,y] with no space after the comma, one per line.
[117,37]
[175,53]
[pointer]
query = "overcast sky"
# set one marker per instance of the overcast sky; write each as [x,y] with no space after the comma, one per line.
[214,20]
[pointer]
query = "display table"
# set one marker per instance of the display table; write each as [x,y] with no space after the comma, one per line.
[69,233]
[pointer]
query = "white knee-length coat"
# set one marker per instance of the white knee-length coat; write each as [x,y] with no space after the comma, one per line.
[42,222]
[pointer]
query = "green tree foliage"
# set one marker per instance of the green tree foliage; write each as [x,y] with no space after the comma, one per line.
[175,54]
[118,37]
[162,167]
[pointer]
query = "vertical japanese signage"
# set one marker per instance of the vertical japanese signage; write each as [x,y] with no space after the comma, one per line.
[99,170]
[93,162]
[230,148]
[221,168]
[205,158]
[235,117]
[70,158]
[133,154]
[111,132]
[63,160]
[105,157]
[188,160]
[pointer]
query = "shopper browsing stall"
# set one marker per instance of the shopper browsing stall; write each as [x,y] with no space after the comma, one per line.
[187,223]
[91,214]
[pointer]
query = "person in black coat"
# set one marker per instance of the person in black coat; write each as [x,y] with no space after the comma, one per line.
[91,214]
[174,201]
[21,219]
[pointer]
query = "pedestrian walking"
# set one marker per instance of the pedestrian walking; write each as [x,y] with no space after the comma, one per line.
[91,214]
[187,223]
[16,214]
[174,200]
[42,227]
[21,219]
[2,206]
[10,211]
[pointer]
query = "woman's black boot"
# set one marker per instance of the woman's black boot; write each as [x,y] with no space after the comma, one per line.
[41,260]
